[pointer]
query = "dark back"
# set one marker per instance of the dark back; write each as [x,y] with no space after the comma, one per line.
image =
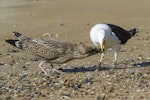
[121,33]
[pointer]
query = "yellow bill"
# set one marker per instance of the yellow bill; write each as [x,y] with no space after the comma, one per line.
[102,48]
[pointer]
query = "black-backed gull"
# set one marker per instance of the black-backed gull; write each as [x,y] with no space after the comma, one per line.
[105,36]
[51,50]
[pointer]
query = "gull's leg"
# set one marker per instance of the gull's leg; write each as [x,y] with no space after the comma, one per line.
[115,61]
[51,69]
[40,65]
[116,50]
[102,49]
[102,56]
[100,62]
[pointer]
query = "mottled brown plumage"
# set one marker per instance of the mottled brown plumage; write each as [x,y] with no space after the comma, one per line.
[53,51]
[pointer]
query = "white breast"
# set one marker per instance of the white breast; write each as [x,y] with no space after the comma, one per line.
[111,41]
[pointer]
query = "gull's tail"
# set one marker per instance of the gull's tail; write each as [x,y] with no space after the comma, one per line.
[19,36]
[133,31]
[18,43]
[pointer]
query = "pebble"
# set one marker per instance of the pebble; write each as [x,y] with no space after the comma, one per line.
[61,24]
[28,63]
[132,72]
[34,59]
[140,57]
[56,35]
[65,96]
[87,79]
[1,64]
[101,97]
[148,58]
[12,50]
[80,82]
[1,54]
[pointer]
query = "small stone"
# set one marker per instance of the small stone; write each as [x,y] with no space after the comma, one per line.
[61,24]
[57,35]
[129,60]
[102,97]
[7,97]
[88,24]
[87,79]
[1,85]
[28,63]
[16,95]
[148,58]
[1,64]
[34,59]
[132,72]
[65,97]
[47,35]
[12,50]
[140,57]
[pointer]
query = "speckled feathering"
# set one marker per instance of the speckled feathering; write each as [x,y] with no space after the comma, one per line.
[53,51]
[105,36]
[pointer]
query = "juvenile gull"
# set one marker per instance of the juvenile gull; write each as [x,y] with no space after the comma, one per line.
[53,51]
[105,36]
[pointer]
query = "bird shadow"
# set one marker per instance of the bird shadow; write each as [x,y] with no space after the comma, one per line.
[143,64]
[84,69]
[103,68]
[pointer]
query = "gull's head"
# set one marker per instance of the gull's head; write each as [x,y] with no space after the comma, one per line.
[98,34]
[86,49]
[82,50]
[101,40]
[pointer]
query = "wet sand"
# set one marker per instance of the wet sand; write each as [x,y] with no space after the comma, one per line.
[71,21]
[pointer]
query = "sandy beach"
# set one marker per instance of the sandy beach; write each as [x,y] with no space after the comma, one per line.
[71,21]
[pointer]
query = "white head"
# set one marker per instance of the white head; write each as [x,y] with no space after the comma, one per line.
[99,33]
[98,39]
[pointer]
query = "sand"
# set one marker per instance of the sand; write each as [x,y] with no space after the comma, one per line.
[71,21]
